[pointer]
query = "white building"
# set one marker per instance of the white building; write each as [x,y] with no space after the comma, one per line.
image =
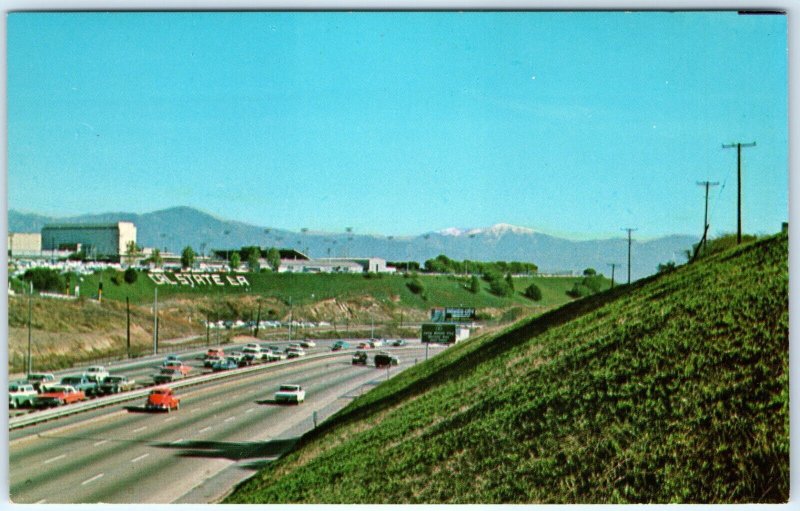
[21,244]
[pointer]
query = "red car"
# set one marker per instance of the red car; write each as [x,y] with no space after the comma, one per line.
[364,346]
[58,395]
[177,364]
[162,398]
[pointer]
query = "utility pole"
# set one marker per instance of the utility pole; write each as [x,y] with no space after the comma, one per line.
[613,266]
[128,314]
[30,306]
[630,230]
[707,184]
[738,146]
[291,318]
[258,318]
[155,322]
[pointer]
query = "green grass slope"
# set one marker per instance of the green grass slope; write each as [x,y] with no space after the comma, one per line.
[674,389]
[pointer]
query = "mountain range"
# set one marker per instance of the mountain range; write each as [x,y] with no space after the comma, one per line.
[175,228]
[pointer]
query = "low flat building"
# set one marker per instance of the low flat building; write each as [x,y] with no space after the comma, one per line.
[24,244]
[318,266]
[96,240]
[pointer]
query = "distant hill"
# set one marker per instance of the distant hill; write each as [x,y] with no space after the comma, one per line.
[672,390]
[174,228]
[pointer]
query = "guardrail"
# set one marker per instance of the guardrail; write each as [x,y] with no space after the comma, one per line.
[46,415]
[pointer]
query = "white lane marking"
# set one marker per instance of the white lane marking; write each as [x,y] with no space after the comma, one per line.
[249,410]
[177,441]
[215,403]
[41,501]
[229,419]
[169,419]
[101,442]
[204,429]
[98,476]
[54,459]
[139,429]
[143,456]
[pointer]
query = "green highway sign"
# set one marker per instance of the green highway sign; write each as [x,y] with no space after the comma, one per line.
[438,333]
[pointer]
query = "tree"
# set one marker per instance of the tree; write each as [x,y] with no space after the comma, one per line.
[253,259]
[475,284]
[510,282]
[44,279]
[274,258]
[236,260]
[533,292]
[187,257]
[131,275]
[588,272]
[155,258]
[666,267]
[132,251]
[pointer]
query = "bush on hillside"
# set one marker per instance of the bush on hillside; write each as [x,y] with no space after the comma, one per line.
[533,292]
[45,279]
[131,275]
[415,286]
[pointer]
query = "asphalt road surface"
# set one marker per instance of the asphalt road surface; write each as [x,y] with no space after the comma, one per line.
[223,433]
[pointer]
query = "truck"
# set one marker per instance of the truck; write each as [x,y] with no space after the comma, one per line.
[385,358]
[162,398]
[21,394]
[290,393]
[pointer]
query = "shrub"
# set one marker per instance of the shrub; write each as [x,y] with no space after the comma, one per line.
[131,275]
[533,292]
[45,279]
[475,285]
[415,286]
[117,278]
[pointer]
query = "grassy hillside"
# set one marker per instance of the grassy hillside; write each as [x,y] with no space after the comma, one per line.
[672,390]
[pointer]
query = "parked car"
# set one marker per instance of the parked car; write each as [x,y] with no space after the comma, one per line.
[58,395]
[21,394]
[340,345]
[37,379]
[96,373]
[225,364]
[290,393]
[162,398]
[307,343]
[384,358]
[116,384]
[167,375]
[360,358]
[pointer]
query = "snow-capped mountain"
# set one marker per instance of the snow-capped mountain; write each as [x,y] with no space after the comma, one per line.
[495,230]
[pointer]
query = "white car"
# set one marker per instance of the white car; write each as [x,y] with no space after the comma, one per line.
[295,352]
[308,343]
[290,393]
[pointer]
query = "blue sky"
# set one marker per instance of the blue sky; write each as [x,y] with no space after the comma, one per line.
[401,123]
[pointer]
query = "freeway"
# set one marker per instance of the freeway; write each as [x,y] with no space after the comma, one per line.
[222,433]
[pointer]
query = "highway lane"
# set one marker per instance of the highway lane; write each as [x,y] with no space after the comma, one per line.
[140,457]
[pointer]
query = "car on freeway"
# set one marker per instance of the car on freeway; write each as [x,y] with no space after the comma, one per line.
[375,343]
[167,375]
[290,393]
[37,379]
[162,398]
[364,346]
[115,384]
[307,343]
[96,373]
[215,352]
[384,358]
[172,358]
[360,358]
[225,364]
[177,364]
[251,345]
[273,347]
[58,395]
[210,361]
[276,355]
[295,352]
[83,382]
[254,353]
[340,345]
[398,342]
[21,394]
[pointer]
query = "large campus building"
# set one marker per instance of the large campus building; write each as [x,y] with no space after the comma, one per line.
[95,240]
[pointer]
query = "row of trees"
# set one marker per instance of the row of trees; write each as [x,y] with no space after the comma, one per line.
[443,264]
[251,255]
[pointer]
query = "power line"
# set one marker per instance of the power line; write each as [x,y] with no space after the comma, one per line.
[738,146]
